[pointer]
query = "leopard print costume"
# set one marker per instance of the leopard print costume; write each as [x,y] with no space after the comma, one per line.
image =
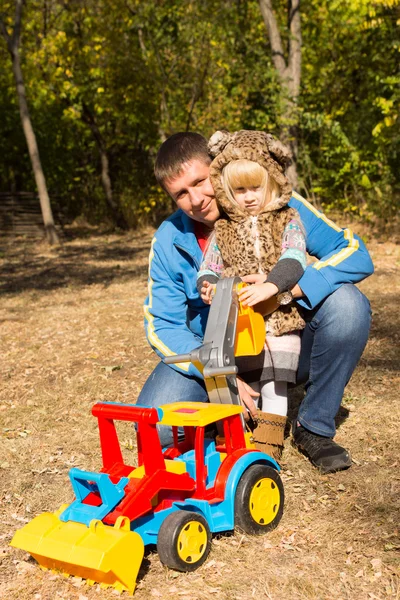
[234,228]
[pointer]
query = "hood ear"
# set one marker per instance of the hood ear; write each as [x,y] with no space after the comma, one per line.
[218,141]
[281,152]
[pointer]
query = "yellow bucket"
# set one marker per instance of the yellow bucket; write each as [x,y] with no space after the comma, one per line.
[250,330]
[107,555]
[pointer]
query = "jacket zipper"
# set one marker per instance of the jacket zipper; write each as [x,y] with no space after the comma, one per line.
[189,253]
[256,235]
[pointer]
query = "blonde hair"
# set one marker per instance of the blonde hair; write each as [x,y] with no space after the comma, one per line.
[247,173]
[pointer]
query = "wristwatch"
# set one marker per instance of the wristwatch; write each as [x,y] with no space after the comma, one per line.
[284,298]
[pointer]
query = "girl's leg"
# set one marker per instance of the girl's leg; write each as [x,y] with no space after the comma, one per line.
[274,397]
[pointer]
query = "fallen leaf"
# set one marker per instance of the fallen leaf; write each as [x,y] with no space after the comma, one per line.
[360,573]
[376,564]
[209,564]
[110,369]
[391,547]
[174,574]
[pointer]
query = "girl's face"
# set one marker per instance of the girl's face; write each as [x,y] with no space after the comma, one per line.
[249,199]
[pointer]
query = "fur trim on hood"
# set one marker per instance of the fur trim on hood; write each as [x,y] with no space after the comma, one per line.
[257,146]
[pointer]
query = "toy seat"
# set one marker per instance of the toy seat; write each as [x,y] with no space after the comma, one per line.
[212,462]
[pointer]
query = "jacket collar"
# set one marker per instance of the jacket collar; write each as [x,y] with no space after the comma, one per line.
[185,237]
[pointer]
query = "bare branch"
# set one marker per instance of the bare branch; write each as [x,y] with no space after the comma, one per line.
[13,39]
[16,36]
[274,36]
[131,10]
[294,61]
[198,89]
[5,34]
[142,43]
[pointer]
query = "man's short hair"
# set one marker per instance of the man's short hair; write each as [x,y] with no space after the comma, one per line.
[177,150]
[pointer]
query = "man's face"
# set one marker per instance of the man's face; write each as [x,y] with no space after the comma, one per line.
[193,192]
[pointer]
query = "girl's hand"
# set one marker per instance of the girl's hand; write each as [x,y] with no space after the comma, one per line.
[253,294]
[207,292]
[254,278]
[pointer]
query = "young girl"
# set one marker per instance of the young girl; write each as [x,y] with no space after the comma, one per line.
[259,233]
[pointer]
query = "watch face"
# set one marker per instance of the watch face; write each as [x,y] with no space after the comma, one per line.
[285,298]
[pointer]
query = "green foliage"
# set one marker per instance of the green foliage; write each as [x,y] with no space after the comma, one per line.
[114,78]
[350,106]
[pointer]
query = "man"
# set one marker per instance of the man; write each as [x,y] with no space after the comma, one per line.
[337,313]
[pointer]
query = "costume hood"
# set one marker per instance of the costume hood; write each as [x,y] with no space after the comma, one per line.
[258,146]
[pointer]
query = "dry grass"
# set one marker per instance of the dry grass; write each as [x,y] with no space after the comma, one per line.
[69,316]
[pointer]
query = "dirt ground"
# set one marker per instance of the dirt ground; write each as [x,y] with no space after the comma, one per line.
[71,333]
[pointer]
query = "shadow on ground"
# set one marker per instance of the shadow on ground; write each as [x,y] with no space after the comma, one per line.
[101,260]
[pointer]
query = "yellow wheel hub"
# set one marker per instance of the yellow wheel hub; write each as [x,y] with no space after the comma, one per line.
[192,542]
[264,501]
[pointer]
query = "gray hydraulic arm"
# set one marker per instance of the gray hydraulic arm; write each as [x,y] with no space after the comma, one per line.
[216,357]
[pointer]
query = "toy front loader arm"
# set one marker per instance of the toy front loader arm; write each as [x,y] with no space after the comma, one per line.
[216,357]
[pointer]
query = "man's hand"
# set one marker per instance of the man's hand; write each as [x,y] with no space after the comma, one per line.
[253,294]
[246,395]
[207,292]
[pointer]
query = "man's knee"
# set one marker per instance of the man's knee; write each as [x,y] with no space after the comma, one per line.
[346,314]
[166,385]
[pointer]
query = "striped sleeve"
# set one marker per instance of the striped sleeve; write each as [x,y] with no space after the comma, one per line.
[165,312]
[212,266]
[342,255]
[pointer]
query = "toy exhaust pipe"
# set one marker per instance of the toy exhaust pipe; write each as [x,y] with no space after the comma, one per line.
[178,358]
[208,371]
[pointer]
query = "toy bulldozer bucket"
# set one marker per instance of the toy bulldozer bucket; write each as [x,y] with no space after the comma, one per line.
[110,556]
[250,330]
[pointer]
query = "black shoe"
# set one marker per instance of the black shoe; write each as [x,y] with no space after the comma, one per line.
[323,452]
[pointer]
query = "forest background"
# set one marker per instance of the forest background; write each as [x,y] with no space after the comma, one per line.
[106,81]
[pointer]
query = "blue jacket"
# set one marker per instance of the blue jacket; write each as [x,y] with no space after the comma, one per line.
[175,315]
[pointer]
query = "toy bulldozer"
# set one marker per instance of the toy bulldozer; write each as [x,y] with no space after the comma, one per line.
[175,497]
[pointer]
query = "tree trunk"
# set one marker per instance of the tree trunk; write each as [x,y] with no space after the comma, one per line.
[89,119]
[13,48]
[50,230]
[289,72]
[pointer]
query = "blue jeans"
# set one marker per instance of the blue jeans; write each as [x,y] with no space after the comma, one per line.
[332,344]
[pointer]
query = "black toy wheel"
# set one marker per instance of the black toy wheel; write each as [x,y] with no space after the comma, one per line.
[259,500]
[184,541]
